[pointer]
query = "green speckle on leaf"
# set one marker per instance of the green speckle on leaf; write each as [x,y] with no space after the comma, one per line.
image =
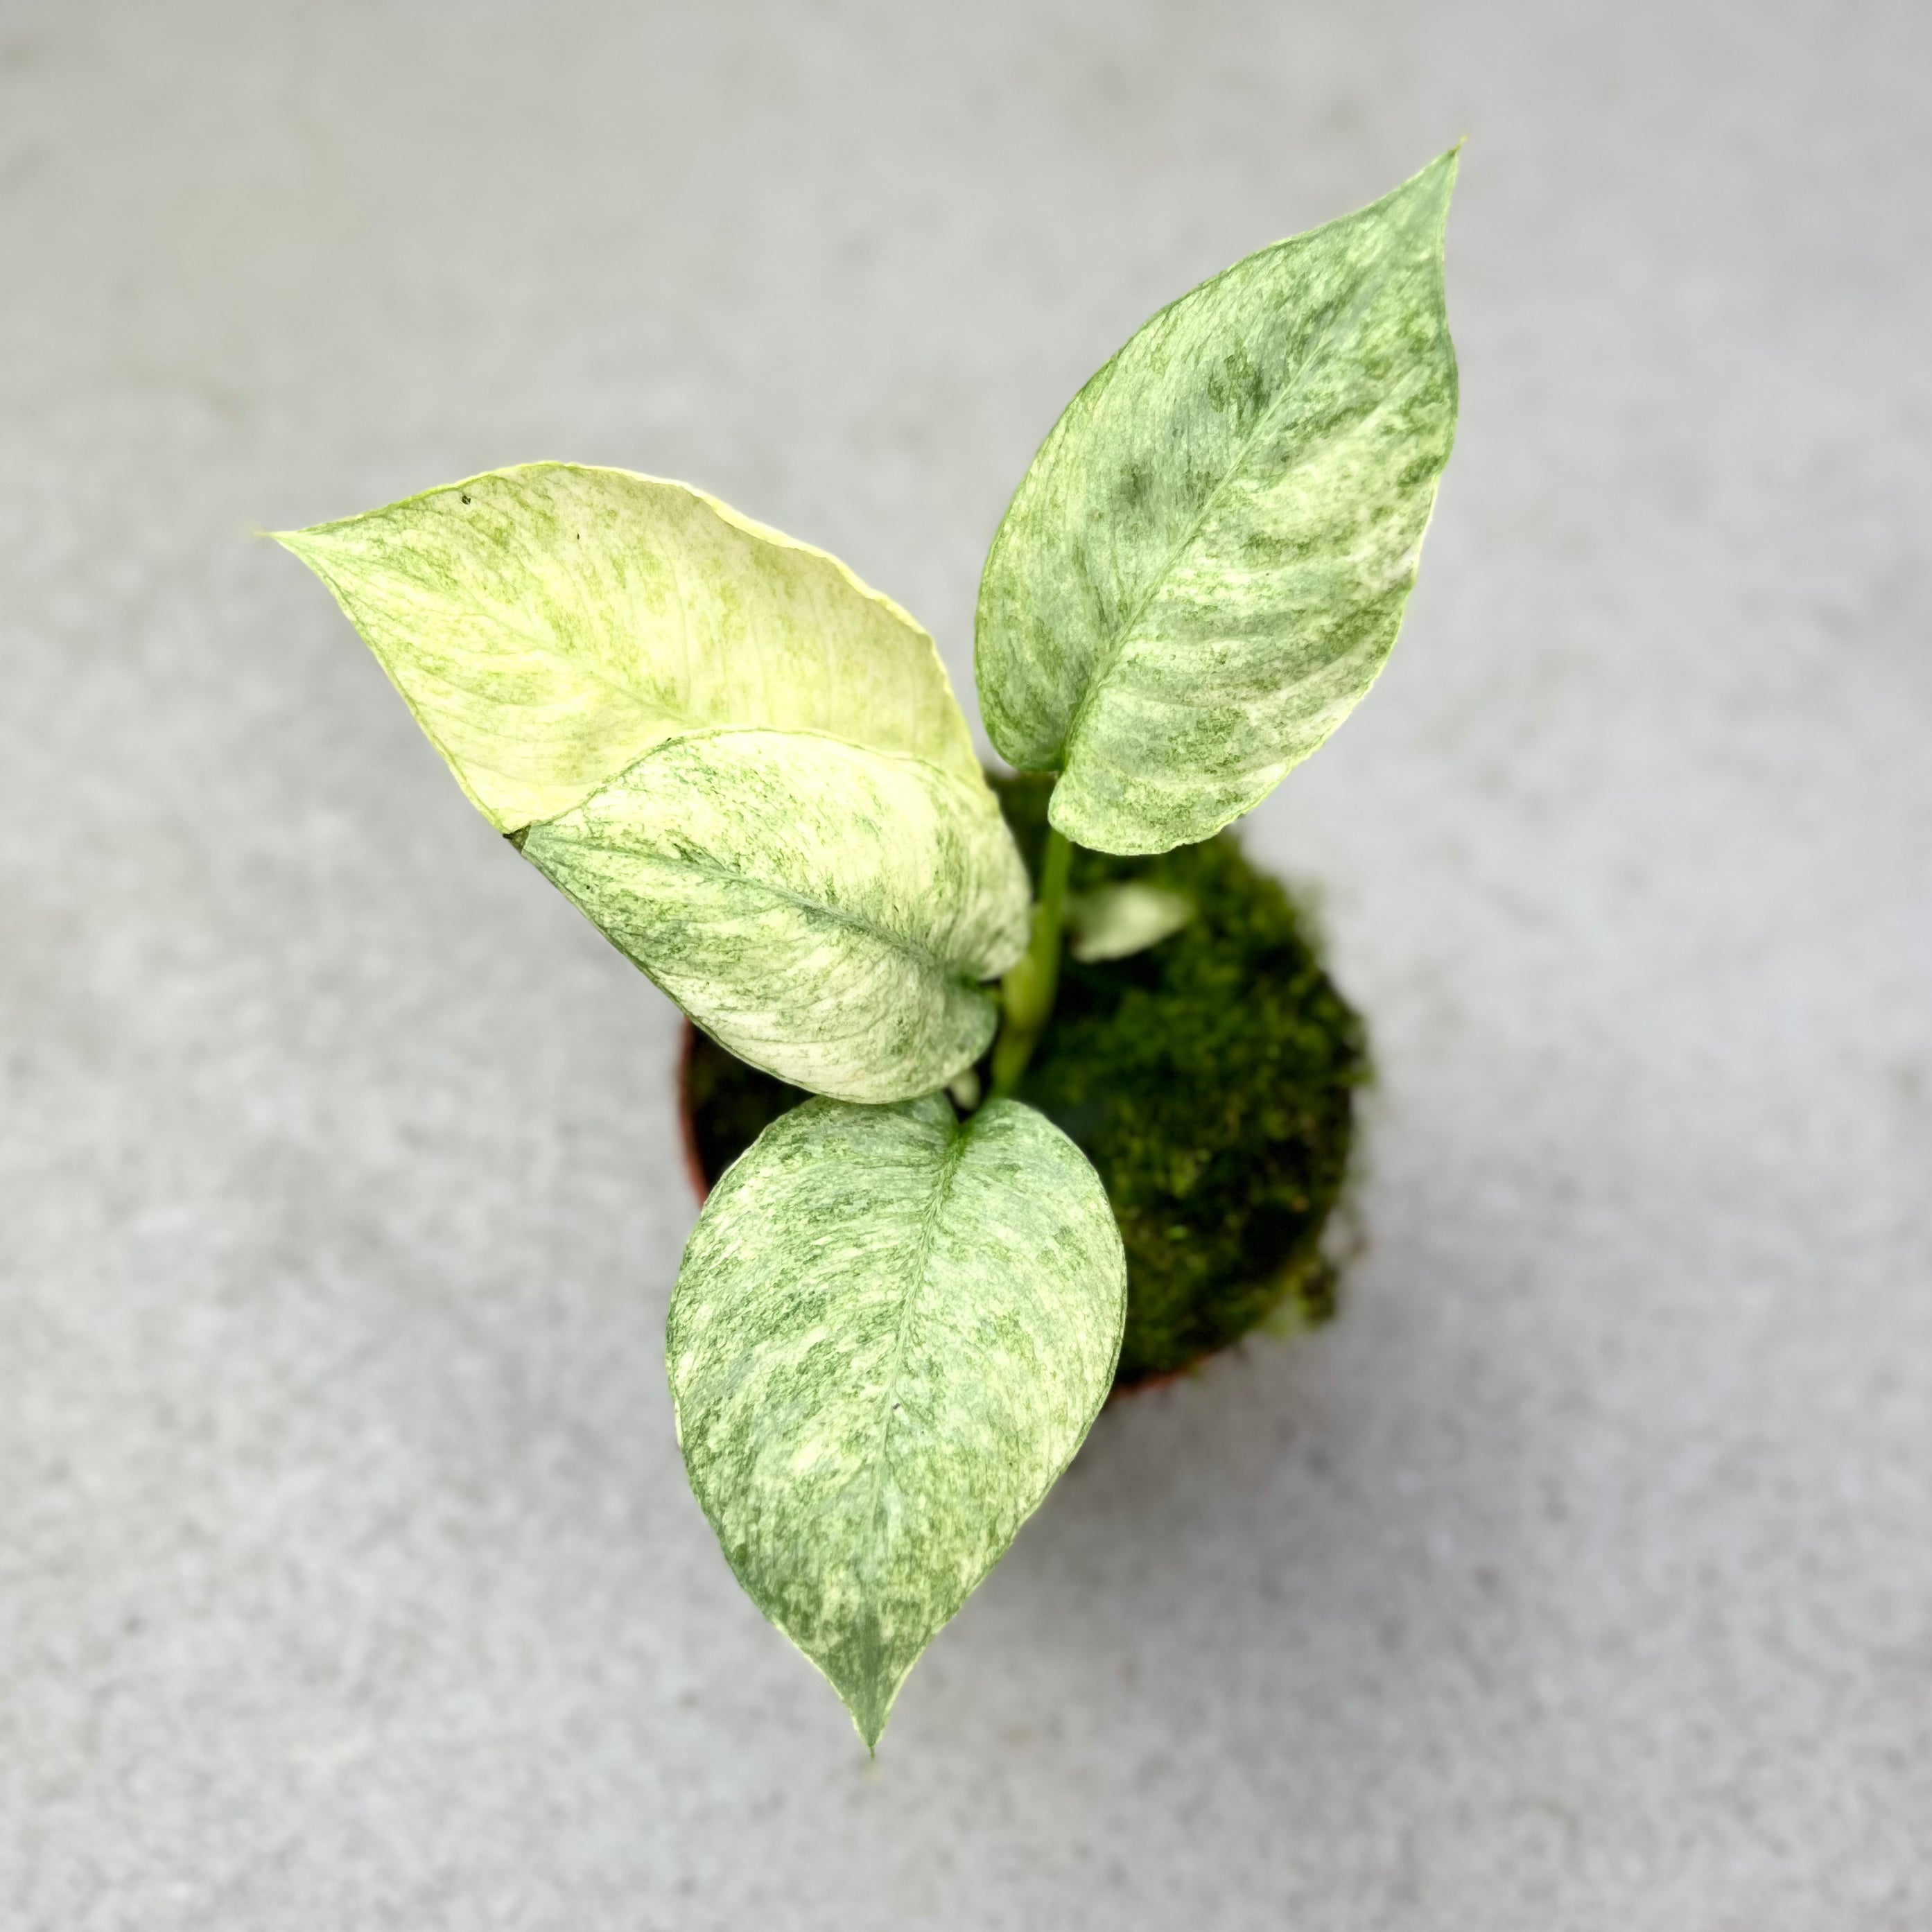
[1206,566]
[889,1335]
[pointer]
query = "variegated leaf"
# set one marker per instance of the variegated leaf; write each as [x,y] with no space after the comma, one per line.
[548,624]
[823,910]
[1206,566]
[890,1333]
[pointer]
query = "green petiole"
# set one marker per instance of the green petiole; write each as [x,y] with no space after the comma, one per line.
[1026,993]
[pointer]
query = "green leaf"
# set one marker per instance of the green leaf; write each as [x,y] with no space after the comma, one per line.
[890,1334]
[1120,920]
[549,624]
[823,910]
[1205,567]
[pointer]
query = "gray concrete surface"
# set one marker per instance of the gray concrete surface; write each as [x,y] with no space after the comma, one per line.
[1580,1580]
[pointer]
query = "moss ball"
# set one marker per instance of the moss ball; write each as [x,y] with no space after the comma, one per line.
[1210,1080]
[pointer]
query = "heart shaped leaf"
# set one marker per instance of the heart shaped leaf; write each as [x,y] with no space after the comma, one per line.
[823,910]
[549,624]
[1206,566]
[890,1334]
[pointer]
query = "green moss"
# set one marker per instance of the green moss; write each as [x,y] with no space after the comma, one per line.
[1210,1080]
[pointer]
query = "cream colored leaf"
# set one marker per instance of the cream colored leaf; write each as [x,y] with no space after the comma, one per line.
[549,624]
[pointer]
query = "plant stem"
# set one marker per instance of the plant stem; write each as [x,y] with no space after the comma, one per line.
[1026,993]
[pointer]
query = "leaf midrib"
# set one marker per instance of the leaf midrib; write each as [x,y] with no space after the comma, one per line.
[949,1161]
[944,967]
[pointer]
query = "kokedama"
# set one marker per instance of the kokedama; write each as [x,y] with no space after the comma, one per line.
[902,1307]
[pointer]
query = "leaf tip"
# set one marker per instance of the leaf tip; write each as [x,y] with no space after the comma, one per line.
[869,1701]
[870,1732]
[1431,185]
[301,544]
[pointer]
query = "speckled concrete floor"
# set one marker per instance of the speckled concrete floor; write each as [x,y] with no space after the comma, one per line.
[1581,1579]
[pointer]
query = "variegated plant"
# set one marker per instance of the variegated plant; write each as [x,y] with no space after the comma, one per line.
[899,1312]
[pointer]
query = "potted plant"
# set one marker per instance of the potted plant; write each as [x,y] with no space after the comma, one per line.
[921,991]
